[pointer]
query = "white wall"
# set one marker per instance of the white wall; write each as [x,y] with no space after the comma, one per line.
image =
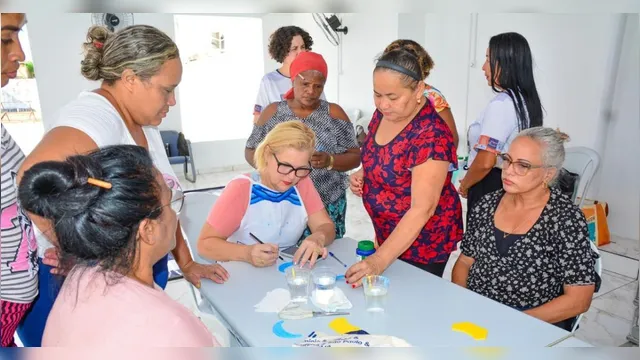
[570,58]
[368,35]
[620,169]
[323,47]
[452,73]
[57,52]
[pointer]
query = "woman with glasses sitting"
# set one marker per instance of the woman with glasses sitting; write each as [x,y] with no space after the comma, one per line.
[259,213]
[113,217]
[527,245]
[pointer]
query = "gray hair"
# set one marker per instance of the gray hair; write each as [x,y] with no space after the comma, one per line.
[141,48]
[552,142]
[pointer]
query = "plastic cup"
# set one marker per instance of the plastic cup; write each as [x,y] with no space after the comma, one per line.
[298,281]
[324,280]
[375,289]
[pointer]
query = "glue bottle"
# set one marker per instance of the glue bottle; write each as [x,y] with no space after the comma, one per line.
[365,248]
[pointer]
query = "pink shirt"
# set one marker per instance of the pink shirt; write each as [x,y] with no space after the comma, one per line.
[126,313]
[231,206]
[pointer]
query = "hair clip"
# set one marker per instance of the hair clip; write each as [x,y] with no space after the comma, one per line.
[300,76]
[98,44]
[99,183]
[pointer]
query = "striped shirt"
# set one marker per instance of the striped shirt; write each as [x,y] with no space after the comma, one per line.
[18,247]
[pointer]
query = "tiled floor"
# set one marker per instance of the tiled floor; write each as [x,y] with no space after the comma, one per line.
[607,322]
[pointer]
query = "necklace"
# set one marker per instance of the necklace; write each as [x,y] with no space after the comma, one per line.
[506,234]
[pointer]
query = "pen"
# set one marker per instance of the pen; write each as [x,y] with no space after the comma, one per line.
[260,241]
[338,260]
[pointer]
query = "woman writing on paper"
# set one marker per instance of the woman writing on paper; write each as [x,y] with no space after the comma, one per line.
[275,203]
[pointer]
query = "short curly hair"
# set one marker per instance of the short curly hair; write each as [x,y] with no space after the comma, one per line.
[280,41]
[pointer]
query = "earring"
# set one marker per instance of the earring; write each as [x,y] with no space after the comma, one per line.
[544,184]
[418,101]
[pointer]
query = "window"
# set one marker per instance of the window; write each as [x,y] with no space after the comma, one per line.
[20,104]
[223,62]
[217,40]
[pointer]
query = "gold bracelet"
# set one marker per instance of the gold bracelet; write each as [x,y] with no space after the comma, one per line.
[330,167]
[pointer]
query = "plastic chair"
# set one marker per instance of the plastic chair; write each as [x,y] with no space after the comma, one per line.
[598,267]
[585,162]
[170,139]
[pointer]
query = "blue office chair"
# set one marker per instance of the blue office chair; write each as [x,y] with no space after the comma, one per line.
[170,138]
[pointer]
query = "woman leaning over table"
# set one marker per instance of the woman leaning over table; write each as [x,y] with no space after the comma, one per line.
[405,181]
[139,68]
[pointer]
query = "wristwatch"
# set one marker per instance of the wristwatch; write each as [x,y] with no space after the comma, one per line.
[330,167]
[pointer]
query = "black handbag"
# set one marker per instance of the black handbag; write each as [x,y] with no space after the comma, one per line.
[567,182]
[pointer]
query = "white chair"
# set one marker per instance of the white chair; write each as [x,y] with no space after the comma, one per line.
[585,162]
[599,271]
[197,205]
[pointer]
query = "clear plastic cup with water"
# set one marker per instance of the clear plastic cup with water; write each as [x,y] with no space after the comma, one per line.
[299,282]
[375,289]
[324,280]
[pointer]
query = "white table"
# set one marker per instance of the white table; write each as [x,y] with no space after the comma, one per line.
[572,342]
[421,308]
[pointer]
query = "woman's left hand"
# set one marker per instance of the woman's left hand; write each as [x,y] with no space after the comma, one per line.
[371,265]
[320,160]
[463,190]
[193,272]
[309,250]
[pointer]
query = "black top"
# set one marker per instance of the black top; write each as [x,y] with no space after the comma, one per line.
[503,243]
[533,270]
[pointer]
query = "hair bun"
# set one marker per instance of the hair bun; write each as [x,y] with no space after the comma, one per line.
[416,50]
[563,136]
[98,34]
[93,49]
[44,186]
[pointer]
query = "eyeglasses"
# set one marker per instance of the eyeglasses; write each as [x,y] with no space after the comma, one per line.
[176,203]
[286,169]
[521,168]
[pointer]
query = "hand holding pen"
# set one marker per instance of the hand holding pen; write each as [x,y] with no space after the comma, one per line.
[261,254]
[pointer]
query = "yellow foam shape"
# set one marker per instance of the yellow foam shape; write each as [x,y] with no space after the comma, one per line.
[342,326]
[492,353]
[471,329]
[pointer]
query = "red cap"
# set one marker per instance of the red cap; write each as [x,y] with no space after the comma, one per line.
[306,61]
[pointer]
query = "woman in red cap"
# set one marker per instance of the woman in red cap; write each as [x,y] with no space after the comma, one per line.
[285,44]
[336,147]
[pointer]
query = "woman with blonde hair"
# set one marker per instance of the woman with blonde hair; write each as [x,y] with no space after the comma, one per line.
[275,203]
[139,67]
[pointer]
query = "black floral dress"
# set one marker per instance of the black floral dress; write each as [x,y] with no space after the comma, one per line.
[533,270]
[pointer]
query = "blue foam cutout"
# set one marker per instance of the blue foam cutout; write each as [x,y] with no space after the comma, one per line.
[284,266]
[339,277]
[279,331]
